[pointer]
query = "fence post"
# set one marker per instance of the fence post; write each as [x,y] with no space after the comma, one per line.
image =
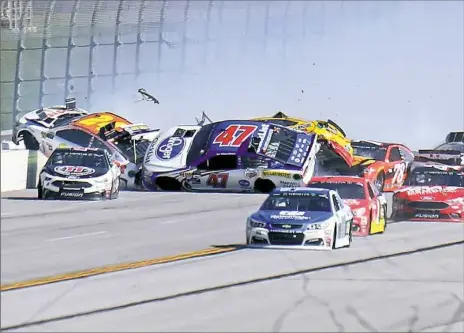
[161,37]
[140,41]
[117,43]
[45,46]
[71,46]
[18,80]
[184,36]
[93,44]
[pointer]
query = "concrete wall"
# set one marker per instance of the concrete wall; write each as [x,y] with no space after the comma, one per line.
[20,169]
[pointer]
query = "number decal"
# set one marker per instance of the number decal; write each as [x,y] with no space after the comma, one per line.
[234,135]
[398,177]
[218,180]
[94,123]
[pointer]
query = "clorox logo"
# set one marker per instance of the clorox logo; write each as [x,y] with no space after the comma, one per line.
[170,148]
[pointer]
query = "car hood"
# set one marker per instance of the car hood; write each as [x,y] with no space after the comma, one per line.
[75,172]
[432,193]
[275,216]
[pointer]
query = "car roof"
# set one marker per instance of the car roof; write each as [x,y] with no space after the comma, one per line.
[301,190]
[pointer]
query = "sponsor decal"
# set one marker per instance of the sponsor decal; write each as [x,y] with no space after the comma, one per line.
[244,183]
[430,190]
[276,173]
[251,173]
[287,231]
[72,194]
[70,170]
[272,149]
[289,184]
[289,215]
[261,135]
[426,216]
[170,148]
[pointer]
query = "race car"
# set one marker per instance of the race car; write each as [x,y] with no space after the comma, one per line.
[384,164]
[306,218]
[431,192]
[335,146]
[125,141]
[368,205]
[455,137]
[31,126]
[79,173]
[229,156]
[451,152]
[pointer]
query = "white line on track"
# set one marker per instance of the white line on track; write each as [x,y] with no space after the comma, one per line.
[78,236]
[170,222]
[6,214]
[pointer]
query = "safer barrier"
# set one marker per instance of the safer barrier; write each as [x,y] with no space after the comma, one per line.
[20,169]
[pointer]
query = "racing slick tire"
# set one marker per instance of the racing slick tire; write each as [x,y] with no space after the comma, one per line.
[384,209]
[380,181]
[40,192]
[334,238]
[30,142]
[351,233]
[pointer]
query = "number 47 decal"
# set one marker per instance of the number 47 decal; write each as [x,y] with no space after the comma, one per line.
[234,135]
[218,180]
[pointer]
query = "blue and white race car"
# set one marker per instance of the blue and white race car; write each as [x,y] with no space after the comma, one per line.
[307,218]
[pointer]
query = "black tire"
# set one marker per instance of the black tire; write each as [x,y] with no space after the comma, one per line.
[380,181]
[30,142]
[264,185]
[385,212]
[351,233]
[370,222]
[334,238]
[39,192]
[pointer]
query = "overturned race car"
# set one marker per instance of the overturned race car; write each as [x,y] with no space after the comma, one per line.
[303,218]
[229,156]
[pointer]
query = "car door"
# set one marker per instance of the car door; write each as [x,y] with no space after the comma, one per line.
[340,216]
[395,169]
[220,173]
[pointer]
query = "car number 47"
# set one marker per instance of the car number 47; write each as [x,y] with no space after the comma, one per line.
[234,135]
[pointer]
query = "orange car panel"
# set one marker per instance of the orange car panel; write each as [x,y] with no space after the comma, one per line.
[93,122]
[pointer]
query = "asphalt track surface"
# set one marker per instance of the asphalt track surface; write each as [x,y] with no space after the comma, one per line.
[408,279]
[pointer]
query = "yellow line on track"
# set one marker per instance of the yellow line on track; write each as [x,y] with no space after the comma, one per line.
[112,268]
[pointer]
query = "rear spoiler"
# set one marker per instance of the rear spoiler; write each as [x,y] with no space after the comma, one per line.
[455,137]
[449,157]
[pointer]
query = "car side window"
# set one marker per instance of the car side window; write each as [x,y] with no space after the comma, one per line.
[96,143]
[395,154]
[335,203]
[407,155]
[371,191]
[75,136]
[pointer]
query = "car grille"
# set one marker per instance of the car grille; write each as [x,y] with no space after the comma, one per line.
[278,238]
[280,226]
[427,205]
[71,184]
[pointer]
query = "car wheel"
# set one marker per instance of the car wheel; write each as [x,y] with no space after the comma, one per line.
[370,222]
[39,192]
[334,238]
[351,234]
[380,181]
[385,218]
[30,142]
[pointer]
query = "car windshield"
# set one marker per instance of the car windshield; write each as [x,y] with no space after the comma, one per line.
[346,190]
[281,144]
[428,177]
[200,143]
[133,150]
[79,158]
[375,152]
[297,202]
[451,146]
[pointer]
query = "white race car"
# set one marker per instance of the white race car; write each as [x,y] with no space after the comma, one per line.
[32,125]
[79,173]
[304,218]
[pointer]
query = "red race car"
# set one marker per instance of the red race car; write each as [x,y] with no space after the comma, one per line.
[431,192]
[385,164]
[368,205]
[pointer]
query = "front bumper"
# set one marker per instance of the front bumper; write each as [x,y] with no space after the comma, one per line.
[75,190]
[309,239]
[360,226]
[428,216]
